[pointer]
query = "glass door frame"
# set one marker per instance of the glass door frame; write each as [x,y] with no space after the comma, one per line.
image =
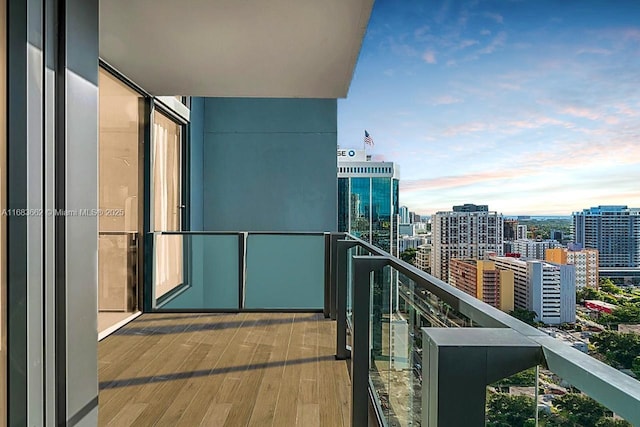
[149,302]
[144,111]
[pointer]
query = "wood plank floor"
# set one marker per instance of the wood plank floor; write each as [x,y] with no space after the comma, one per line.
[245,369]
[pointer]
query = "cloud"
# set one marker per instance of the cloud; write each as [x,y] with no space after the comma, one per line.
[389,72]
[454,181]
[421,31]
[498,41]
[495,17]
[399,48]
[594,51]
[466,43]
[445,100]
[485,32]
[589,114]
[429,56]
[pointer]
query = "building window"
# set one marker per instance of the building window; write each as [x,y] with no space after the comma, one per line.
[360,207]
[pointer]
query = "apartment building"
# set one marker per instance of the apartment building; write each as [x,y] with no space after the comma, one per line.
[528,248]
[584,260]
[545,288]
[613,230]
[468,231]
[484,281]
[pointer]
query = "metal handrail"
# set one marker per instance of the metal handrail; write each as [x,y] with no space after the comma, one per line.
[612,388]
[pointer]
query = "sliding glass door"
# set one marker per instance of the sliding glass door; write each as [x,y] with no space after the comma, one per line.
[168,208]
[120,179]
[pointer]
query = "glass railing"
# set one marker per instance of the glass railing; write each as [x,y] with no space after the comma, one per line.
[512,373]
[229,271]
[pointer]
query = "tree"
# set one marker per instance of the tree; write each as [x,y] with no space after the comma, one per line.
[504,410]
[526,316]
[619,350]
[627,313]
[587,293]
[606,285]
[526,378]
[635,367]
[612,422]
[409,255]
[580,409]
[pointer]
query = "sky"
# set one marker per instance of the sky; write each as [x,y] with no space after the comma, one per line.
[529,106]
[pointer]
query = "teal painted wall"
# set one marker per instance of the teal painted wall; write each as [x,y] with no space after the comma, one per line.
[196,157]
[267,164]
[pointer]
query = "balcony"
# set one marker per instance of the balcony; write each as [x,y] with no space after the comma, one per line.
[252,369]
[323,329]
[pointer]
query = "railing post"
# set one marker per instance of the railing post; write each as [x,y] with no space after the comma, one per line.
[327,274]
[341,301]
[459,363]
[360,356]
[333,274]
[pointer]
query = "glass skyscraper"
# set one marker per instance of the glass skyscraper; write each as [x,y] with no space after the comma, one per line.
[368,204]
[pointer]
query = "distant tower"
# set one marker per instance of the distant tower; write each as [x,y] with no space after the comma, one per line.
[368,199]
[465,233]
[614,231]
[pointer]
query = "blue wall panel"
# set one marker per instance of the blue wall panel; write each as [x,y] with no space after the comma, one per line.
[269,164]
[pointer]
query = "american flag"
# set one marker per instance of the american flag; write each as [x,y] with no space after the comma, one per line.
[367,138]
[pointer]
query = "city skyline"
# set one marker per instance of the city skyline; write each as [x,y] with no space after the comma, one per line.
[529,107]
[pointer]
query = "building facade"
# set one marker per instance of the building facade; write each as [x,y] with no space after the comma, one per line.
[510,229]
[481,279]
[404,215]
[547,289]
[465,233]
[584,260]
[423,258]
[614,231]
[521,232]
[368,199]
[535,249]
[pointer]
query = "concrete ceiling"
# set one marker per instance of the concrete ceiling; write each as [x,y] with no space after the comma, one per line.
[235,48]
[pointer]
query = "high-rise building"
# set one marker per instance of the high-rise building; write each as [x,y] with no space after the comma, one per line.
[470,207]
[368,199]
[404,215]
[465,233]
[545,288]
[528,248]
[423,258]
[484,281]
[521,232]
[585,261]
[556,235]
[407,242]
[510,229]
[614,231]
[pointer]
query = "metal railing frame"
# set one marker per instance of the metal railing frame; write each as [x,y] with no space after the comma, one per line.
[612,388]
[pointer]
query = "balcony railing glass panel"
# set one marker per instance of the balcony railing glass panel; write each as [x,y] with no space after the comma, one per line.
[285,271]
[236,271]
[208,268]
